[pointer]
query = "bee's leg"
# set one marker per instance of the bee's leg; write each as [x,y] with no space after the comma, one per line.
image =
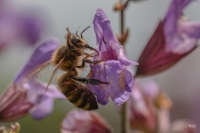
[84,31]
[88,61]
[89,55]
[91,48]
[88,81]
[53,73]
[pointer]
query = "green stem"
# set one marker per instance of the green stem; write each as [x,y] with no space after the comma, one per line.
[124,121]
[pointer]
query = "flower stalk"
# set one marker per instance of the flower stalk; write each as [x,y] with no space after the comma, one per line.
[124,120]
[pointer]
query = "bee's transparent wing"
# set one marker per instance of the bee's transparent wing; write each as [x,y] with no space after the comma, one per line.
[41,67]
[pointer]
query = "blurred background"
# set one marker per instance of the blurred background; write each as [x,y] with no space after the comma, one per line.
[180,82]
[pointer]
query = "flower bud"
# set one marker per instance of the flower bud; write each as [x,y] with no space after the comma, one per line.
[13,104]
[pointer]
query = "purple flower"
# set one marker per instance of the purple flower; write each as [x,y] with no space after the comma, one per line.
[42,103]
[181,36]
[142,109]
[148,108]
[172,40]
[15,26]
[80,121]
[112,69]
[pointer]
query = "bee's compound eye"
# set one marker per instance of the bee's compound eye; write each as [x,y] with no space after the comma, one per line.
[75,40]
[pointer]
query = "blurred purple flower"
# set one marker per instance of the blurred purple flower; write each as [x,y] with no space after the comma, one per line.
[112,69]
[142,109]
[149,108]
[33,91]
[80,121]
[172,40]
[180,36]
[15,26]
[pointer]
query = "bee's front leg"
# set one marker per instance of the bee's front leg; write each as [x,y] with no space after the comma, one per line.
[88,81]
[88,61]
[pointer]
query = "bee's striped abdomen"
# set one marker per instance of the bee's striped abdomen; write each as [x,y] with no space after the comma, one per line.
[78,94]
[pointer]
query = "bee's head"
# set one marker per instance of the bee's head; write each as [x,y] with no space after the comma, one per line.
[78,41]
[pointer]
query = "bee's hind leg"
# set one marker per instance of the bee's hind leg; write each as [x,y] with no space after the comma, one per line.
[88,81]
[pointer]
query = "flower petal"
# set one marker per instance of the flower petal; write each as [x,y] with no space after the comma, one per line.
[32,28]
[36,88]
[43,108]
[41,54]
[180,37]
[43,101]
[120,82]
[109,47]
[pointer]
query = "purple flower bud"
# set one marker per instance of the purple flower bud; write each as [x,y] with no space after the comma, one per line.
[80,121]
[112,69]
[154,58]
[172,40]
[14,104]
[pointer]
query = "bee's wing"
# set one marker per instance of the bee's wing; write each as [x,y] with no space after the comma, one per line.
[37,70]
[41,67]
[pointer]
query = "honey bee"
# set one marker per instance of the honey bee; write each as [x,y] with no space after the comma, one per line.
[68,58]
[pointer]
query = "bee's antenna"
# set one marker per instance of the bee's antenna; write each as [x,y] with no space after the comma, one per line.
[68,30]
[84,31]
[77,30]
